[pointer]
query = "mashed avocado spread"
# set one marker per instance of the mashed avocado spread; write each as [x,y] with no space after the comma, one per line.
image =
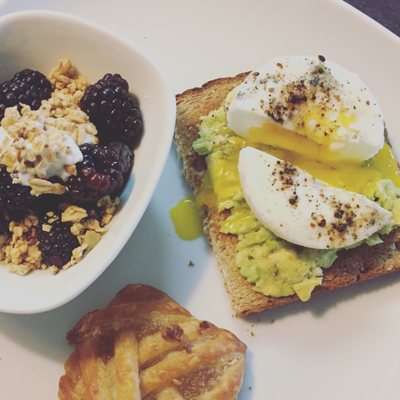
[275,266]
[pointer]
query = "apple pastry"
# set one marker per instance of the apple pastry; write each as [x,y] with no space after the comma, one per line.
[144,345]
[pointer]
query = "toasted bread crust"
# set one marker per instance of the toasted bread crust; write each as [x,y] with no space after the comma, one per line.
[352,266]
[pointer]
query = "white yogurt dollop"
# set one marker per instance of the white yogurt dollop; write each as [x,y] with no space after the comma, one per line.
[55,158]
[32,146]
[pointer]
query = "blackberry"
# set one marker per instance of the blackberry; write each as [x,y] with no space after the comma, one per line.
[113,110]
[26,87]
[13,197]
[57,245]
[104,170]
[125,157]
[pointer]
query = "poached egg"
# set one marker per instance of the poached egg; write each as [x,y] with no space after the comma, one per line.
[321,109]
[303,210]
[309,112]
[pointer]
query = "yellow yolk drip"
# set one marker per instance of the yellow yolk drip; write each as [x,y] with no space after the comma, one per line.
[322,163]
[301,144]
[359,177]
[353,176]
[186,219]
[206,195]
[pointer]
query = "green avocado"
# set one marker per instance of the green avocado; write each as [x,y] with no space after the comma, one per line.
[275,266]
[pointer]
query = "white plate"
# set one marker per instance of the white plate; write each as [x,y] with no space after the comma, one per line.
[343,345]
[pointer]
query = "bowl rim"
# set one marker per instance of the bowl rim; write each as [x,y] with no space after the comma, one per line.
[160,162]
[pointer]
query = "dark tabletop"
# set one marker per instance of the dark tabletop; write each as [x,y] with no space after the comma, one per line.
[386,12]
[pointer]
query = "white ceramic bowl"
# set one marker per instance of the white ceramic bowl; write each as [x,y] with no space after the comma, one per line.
[37,39]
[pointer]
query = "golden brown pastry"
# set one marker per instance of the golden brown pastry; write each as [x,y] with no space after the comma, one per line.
[144,345]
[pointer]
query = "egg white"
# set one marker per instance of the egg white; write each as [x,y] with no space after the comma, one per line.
[303,210]
[277,91]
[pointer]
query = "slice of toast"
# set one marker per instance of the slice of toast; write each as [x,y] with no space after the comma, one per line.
[352,266]
[144,345]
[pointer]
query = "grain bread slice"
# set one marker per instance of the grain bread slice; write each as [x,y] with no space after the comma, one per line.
[352,266]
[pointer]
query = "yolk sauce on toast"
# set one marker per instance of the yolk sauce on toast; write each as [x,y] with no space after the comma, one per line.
[316,159]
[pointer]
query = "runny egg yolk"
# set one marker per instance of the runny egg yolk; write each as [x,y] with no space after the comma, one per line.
[316,159]
[186,219]
[323,164]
